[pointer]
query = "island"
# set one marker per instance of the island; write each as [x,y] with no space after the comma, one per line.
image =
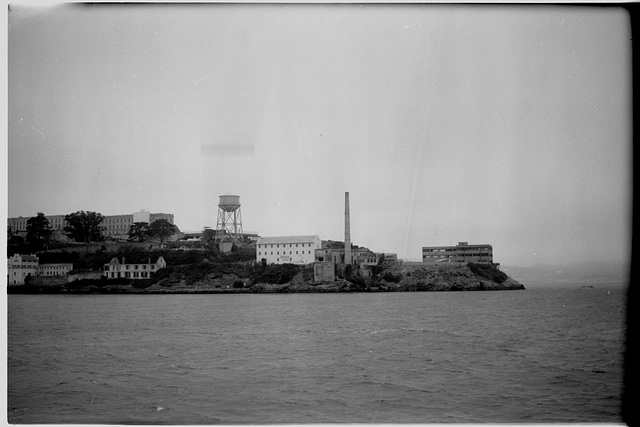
[213,272]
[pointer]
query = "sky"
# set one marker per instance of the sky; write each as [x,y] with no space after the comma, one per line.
[501,125]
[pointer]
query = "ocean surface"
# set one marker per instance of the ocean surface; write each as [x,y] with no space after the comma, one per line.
[542,355]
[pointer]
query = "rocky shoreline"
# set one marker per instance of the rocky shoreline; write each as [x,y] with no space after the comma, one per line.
[422,278]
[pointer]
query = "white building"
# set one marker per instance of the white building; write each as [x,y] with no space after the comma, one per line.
[57,269]
[19,267]
[120,270]
[461,253]
[288,249]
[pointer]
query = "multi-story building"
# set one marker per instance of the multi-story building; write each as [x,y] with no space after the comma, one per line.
[121,270]
[57,269]
[116,226]
[288,249]
[16,225]
[461,253]
[19,267]
[359,256]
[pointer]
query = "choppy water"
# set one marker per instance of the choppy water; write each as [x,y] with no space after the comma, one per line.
[546,355]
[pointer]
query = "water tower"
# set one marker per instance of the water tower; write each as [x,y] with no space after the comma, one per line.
[229,226]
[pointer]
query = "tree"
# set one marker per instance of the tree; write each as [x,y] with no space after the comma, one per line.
[84,227]
[139,230]
[161,228]
[38,229]
[208,238]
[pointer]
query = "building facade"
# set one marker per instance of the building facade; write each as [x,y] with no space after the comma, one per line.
[287,249]
[461,253]
[116,226]
[359,256]
[19,267]
[121,270]
[58,269]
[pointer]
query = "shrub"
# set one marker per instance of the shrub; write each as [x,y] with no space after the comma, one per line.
[390,277]
[360,282]
[238,284]
[275,273]
[488,271]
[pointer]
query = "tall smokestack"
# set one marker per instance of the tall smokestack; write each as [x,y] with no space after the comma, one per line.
[347,230]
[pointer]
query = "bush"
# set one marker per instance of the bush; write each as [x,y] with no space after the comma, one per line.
[275,273]
[241,255]
[360,282]
[307,274]
[488,271]
[390,277]
[238,284]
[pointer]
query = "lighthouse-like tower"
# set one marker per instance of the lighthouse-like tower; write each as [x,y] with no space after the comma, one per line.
[229,224]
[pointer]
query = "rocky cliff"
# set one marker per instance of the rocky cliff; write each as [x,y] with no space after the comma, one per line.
[207,277]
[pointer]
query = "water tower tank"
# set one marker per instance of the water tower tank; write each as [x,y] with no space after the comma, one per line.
[229,203]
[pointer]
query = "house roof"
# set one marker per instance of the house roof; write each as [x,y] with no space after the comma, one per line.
[287,239]
[29,258]
[136,260]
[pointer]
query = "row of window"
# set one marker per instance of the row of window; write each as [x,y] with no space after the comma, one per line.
[454,256]
[284,245]
[465,250]
[135,266]
[283,253]
[129,274]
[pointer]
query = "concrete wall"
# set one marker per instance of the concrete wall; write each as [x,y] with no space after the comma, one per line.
[47,280]
[324,271]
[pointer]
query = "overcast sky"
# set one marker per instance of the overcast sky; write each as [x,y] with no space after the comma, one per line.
[502,125]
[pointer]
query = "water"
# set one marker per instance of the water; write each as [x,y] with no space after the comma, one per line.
[546,355]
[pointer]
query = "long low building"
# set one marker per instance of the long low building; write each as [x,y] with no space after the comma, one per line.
[461,253]
[288,249]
